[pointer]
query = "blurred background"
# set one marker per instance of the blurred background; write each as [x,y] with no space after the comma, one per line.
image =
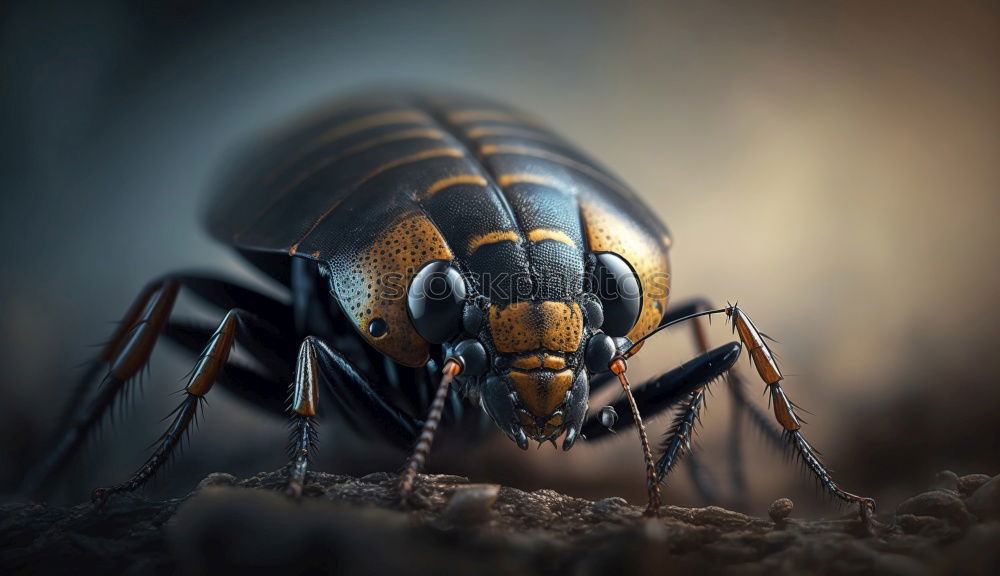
[831,165]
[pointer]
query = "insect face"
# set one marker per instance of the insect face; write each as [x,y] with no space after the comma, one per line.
[528,361]
[537,346]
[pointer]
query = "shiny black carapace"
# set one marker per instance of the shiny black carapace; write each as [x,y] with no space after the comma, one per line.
[446,259]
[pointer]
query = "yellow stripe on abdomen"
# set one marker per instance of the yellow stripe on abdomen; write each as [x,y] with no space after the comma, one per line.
[539,234]
[481,240]
[472,179]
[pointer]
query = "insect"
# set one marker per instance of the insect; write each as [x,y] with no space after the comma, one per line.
[446,259]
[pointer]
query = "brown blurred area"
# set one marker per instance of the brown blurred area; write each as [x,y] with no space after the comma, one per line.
[833,166]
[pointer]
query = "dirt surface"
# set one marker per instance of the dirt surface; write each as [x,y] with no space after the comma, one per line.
[351,525]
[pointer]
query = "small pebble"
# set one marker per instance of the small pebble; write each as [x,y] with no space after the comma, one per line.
[471,504]
[780,510]
[939,504]
[985,501]
[609,506]
[945,480]
[217,479]
[970,483]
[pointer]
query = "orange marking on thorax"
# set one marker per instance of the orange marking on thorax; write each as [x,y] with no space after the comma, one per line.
[507,179]
[443,183]
[539,234]
[477,115]
[492,238]
[486,131]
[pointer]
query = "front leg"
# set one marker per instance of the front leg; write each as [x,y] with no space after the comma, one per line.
[784,411]
[353,394]
[305,399]
[659,394]
[741,406]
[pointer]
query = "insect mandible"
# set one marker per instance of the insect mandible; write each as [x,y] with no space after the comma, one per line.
[445,258]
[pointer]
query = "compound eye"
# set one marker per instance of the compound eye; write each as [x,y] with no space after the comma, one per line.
[617,286]
[435,301]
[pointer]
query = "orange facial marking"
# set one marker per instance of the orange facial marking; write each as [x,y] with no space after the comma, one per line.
[541,392]
[562,326]
[532,326]
[534,362]
[553,362]
[553,425]
[527,363]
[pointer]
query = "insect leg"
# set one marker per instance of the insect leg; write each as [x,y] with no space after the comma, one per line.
[619,367]
[784,409]
[226,295]
[123,357]
[264,387]
[735,386]
[305,400]
[686,384]
[354,393]
[128,351]
[450,369]
[236,324]
[665,391]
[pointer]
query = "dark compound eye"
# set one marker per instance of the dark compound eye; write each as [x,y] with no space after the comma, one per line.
[600,350]
[435,301]
[617,286]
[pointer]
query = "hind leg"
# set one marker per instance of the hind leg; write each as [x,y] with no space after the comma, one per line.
[127,353]
[237,325]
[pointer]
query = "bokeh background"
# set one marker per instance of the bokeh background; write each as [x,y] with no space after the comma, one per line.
[834,166]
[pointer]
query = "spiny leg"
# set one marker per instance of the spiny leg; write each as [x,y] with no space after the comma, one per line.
[316,363]
[210,365]
[263,386]
[664,392]
[355,396]
[735,387]
[108,352]
[305,400]
[678,439]
[450,369]
[784,411]
[125,355]
[128,351]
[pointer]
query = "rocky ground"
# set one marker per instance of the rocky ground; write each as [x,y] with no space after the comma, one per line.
[350,525]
